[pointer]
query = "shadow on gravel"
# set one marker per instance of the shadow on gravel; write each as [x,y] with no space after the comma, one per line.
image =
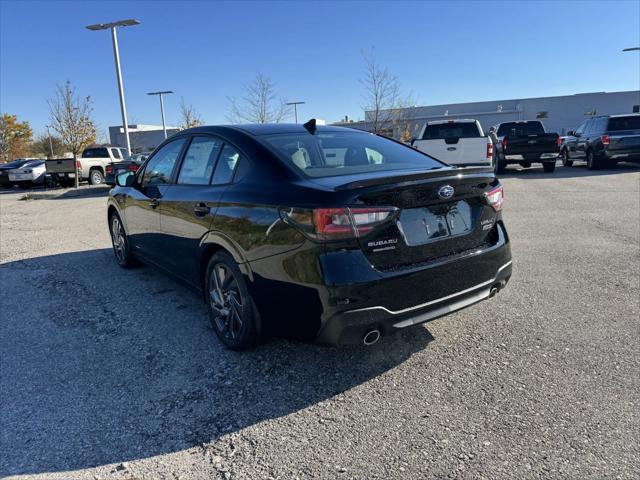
[579,169]
[103,365]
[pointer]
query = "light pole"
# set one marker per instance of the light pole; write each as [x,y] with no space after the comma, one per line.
[295,108]
[630,49]
[50,142]
[160,94]
[116,54]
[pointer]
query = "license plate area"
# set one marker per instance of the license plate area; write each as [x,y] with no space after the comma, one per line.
[431,224]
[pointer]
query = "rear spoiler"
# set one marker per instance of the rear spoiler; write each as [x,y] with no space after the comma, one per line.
[416,177]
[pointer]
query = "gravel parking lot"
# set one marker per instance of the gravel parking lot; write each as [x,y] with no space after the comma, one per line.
[108,373]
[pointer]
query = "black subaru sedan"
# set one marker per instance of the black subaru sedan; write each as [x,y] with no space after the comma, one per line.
[314,232]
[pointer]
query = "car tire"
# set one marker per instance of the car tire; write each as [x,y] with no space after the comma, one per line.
[549,167]
[592,162]
[566,161]
[233,314]
[96,177]
[120,242]
[525,164]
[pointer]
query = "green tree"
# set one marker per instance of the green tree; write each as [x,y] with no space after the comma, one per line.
[15,137]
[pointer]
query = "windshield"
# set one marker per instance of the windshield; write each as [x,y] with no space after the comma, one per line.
[451,130]
[624,123]
[520,129]
[343,153]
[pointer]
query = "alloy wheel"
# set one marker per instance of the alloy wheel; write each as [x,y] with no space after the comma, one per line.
[118,240]
[226,301]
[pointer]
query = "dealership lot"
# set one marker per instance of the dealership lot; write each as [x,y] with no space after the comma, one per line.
[108,373]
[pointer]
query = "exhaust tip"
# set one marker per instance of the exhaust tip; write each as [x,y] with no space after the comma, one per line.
[371,337]
[495,289]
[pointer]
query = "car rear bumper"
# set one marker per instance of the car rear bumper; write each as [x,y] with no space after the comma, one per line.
[623,155]
[543,157]
[402,299]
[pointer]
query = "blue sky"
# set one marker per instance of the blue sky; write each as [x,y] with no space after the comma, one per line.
[443,52]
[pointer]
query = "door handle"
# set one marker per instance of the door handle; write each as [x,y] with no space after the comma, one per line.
[201,209]
[154,203]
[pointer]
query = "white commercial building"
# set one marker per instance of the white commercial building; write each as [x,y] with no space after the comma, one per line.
[143,138]
[559,114]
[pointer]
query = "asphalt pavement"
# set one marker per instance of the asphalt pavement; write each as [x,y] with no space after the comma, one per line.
[115,374]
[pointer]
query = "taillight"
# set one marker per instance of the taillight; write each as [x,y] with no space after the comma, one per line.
[78,164]
[559,141]
[489,150]
[326,224]
[109,169]
[605,140]
[133,167]
[505,144]
[495,198]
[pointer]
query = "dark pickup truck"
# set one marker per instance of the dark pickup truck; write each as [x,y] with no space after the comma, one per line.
[525,142]
[603,141]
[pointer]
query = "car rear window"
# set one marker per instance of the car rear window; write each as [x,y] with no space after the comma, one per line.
[95,153]
[624,123]
[328,154]
[520,129]
[451,130]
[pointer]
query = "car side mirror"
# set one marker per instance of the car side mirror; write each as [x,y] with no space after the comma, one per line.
[126,179]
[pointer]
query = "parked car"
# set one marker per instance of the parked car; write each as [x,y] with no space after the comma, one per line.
[6,167]
[603,141]
[320,233]
[456,142]
[29,174]
[525,142]
[132,165]
[94,161]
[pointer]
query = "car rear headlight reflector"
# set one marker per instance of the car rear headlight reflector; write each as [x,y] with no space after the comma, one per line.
[505,144]
[495,198]
[109,169]
[605,140]
[559,141]
[133,167]
[326,224]
[489,150]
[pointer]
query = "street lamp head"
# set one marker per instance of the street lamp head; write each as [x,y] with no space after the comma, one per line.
[165,92]
[120,23]
[295,103]
[630,49]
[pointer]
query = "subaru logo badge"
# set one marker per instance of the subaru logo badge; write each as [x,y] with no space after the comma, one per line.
[446,191]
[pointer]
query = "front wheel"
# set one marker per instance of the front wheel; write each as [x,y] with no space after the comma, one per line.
[549,167]
[525,164]
[566,161]
[120,243]
[231,308]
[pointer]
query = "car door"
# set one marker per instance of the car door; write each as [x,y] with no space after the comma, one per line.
[141,211]
[582,139]
[189,205]
[572,141]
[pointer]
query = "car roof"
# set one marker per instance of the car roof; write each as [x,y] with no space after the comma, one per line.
[457,120]
[258,129]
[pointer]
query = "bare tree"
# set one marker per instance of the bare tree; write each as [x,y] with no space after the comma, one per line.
[42,145]
[260,104]
[190,117]
[71,118]
[388,110]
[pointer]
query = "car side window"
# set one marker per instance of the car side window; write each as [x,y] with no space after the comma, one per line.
[588,126]
[227,163]
[199,161]
[159,168]
[580,129]
[116,153]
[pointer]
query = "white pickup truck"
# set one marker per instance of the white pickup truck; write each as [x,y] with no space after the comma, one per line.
[456,142]
[94,160]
